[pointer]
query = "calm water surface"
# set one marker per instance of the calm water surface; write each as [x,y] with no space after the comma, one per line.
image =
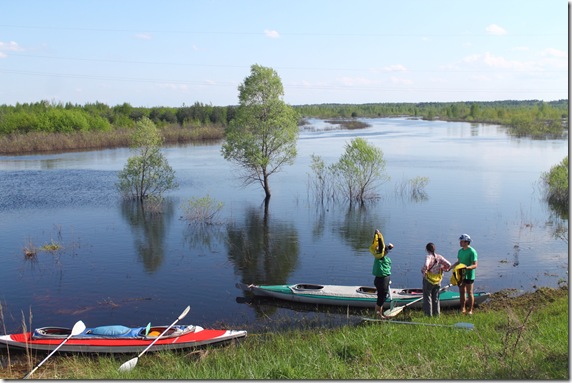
[121,266]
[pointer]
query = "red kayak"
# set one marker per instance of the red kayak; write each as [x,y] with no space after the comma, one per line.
[119,339]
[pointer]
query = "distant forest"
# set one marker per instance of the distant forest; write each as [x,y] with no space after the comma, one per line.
[531,118]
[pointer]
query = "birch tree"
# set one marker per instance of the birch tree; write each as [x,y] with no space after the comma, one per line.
[262,137]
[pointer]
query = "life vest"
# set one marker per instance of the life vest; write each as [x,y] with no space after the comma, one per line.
[458,275]
[378,248]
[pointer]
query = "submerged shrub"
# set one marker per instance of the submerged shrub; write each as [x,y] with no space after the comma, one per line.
[202,210]
[556,181]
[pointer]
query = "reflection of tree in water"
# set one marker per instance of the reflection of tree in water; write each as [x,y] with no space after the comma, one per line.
[203,238]
[358,226]
[262,251]
[149,230]
[559,221]
[320,222]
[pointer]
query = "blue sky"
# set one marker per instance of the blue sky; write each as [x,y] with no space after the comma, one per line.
[175,52]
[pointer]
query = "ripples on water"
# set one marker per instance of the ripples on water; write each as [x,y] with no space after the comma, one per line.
[40,189]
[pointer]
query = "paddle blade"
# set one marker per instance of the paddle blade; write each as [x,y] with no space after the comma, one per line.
[394,311]
[147,329]
[129,365]
[465,325]
[78,328]
[184,313]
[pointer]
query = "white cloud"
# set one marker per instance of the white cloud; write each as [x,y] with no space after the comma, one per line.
[395,68]
[500,62]
[471,58]
[438,80]
[496,62]
[400,81]
[353,81]
[494,29]
[389,68]
[143,36]
[271,33]
[175,87]
[490,63]
[12,46]
[554,53]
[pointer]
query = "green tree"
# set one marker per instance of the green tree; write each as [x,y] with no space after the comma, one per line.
[359,170]
[320,179]
[475,111]
[262,136]
[146,174]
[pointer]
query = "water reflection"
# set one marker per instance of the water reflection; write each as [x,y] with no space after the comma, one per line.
[149,231]
[263,250]
[359,224]
[558,221]
[204,239]
[319,224]
[97,277]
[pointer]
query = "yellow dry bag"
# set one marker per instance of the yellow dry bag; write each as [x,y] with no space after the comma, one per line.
[458,274]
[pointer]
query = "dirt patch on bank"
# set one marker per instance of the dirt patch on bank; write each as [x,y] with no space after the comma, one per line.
[511,298]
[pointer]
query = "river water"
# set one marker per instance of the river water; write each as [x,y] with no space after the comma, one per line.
[118,265]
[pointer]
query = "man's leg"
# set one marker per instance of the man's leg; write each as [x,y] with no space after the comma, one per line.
[462,297]
[470,297]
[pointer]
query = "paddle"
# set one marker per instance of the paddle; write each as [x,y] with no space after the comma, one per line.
[461,325]
[147,329]
[396,310]
[77,329]
[131,363]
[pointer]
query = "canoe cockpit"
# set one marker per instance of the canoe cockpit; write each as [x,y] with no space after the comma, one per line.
[307,286]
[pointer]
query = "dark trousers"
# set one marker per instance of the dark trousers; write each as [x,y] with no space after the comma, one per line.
[431,305]
[382,286]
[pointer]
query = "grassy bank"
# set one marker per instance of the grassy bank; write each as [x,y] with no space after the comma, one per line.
[525,337]
[43,142]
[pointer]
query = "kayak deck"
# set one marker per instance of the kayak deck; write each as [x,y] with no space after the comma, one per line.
[182,338]
[115,332]
[356,296]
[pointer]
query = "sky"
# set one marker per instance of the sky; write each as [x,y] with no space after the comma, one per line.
[179,52]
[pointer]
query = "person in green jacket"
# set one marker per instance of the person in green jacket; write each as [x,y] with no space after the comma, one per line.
[381,270]
[468,256]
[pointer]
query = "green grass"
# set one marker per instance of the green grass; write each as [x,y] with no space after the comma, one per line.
[514,338]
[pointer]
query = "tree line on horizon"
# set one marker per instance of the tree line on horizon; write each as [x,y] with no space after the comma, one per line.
[534,118]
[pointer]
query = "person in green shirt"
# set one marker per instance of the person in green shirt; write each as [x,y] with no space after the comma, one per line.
[467,256]
[381,270]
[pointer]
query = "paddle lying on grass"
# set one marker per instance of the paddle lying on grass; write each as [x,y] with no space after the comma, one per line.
[460,325]
[131,363]
[396,310]
[76,330]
